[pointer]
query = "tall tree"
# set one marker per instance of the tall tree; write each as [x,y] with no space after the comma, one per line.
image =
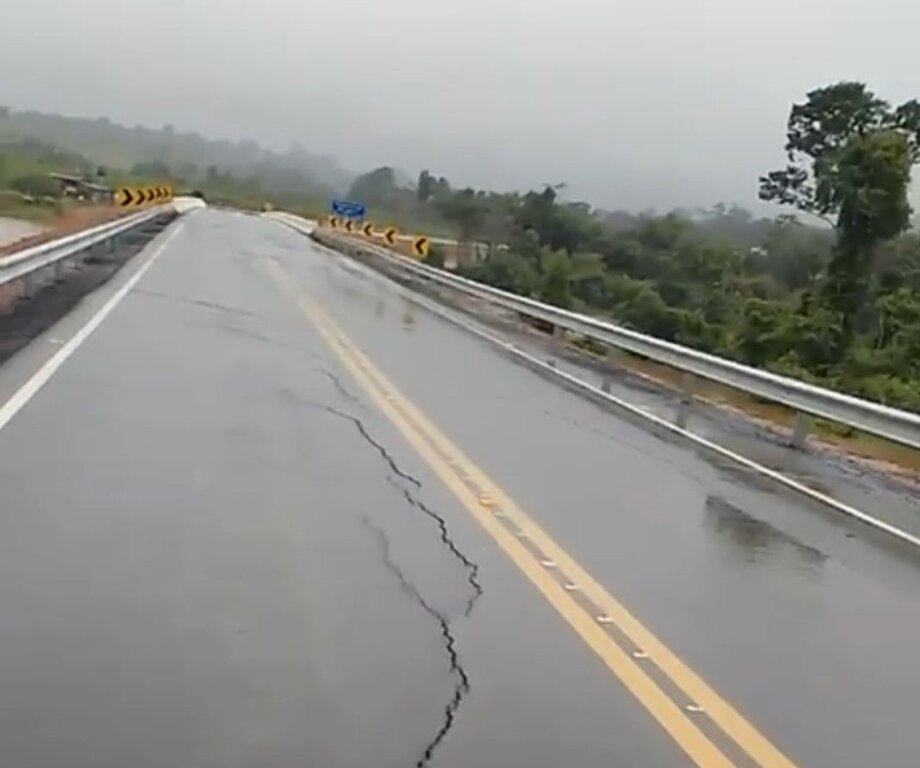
[556,285]
[425,187]
[467,210]
[374,188]
[849,161]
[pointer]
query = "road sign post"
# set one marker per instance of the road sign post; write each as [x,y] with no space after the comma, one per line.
[349,209]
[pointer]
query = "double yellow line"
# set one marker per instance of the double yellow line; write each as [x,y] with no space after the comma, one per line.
[701,722]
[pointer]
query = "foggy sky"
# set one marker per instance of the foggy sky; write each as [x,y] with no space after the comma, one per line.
[651,103]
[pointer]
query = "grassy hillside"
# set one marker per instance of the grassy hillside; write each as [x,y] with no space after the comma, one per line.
[35,143]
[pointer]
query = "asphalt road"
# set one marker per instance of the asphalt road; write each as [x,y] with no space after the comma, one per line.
[268,513]
[891,499]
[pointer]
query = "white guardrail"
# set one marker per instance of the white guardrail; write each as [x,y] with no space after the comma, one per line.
[39,258]
[866,416]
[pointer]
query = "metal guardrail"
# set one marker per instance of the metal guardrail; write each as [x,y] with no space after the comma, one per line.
[866,416]
[39,258]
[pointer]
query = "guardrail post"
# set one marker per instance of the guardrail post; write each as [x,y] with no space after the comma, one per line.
[687,390]
[611,364]
[30,285]
[557,344]
[800,430]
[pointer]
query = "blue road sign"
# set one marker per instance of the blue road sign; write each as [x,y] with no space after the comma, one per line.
[348,209]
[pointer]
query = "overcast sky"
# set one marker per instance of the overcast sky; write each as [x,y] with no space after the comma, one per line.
[635,104]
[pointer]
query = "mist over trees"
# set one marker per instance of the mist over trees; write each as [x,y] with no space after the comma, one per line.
[829,292]
[240,169]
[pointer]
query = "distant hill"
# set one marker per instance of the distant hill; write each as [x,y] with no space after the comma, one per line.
[188,155]
[22,157]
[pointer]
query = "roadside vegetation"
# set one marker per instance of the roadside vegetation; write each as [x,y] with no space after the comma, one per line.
[242,174]
[829,292]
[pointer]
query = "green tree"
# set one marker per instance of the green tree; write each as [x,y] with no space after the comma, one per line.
[536,213]
[466,209]
[507,271]
[900,324]
[793,254]
[759,337]
[555,286]
[558,227]
[441,188]
[36,186]
[425,187]
[874,176]
[526,243]
[375,188]
[849,161]
[647,312]
[587,280]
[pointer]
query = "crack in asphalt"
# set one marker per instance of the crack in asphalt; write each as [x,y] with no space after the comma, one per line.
[408,485]
[376,444]
[337,383]
[471,568]
[225,308]
[462,686]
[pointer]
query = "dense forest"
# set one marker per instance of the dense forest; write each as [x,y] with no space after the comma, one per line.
[829,292]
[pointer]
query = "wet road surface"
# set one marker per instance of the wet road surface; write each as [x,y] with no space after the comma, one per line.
[219,547]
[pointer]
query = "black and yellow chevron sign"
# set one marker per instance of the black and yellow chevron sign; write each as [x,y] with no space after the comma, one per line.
[349,225]
[368,229]
[134,197]
[421,246]
[389,235]
[334,222]
[128,197]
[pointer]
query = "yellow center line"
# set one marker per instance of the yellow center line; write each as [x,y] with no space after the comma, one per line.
[452,467]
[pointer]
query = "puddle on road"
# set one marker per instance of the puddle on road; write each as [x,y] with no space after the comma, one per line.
[757,540]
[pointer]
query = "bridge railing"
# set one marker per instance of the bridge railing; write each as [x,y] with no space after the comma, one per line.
[39,260]
[805,399]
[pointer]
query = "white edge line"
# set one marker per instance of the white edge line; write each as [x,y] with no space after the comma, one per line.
[760,469]
[41,377]
[726,453]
